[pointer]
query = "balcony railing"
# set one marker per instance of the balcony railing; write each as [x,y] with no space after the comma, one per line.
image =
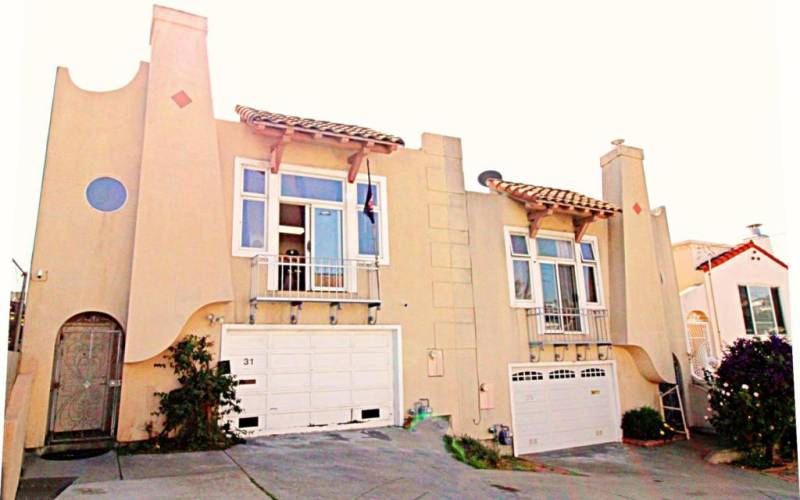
[287,278]
[557,325]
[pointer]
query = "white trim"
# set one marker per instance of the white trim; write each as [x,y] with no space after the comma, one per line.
[592,240]
[561,364]
[397,338]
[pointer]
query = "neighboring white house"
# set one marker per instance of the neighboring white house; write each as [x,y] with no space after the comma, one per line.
[728,292]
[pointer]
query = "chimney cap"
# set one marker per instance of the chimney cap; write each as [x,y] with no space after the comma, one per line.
[618,142]
[755,229]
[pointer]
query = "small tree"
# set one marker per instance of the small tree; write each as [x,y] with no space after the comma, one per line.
[751,398]
[192,412]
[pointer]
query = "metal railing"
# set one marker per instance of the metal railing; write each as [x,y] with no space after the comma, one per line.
[291,278]
[566,325]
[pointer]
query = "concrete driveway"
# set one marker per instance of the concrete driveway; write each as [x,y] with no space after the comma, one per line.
[395,463]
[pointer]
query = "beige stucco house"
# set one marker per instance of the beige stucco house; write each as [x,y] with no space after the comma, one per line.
[537,308]
[727,292]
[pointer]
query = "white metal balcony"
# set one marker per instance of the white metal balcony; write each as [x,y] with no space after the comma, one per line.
[287,278]
[565,325]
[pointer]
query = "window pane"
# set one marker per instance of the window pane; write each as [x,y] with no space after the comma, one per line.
[776,304]
[522,280]
[762,310]
[368,235]
[313,188]
[549,286]
[569,298]
[519,244]
[361,194]
[590,282]
[547,247]
[587,251]
[748,318]
[253,224]
[254,181]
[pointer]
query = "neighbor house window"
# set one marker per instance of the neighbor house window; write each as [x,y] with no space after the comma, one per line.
[590,275]
[761,309]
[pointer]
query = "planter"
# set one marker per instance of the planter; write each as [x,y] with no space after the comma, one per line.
[651,443]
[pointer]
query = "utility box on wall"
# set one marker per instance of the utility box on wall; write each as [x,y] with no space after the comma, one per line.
[435,363]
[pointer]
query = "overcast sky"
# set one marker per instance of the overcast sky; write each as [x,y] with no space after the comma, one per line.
[536,91]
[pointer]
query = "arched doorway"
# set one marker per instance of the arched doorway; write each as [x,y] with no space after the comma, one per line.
[698,338]
[87,372]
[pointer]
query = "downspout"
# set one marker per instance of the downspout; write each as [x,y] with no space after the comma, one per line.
[718,347]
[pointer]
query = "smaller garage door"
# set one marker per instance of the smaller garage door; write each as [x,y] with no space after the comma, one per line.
[563,406]
[300,380]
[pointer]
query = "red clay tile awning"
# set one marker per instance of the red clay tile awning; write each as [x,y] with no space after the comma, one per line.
[737,250]
[254,116]
[528,193]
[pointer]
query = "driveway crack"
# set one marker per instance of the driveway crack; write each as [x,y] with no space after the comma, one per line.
[252,480]
[378,486]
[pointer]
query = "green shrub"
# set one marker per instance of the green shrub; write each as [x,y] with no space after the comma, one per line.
[472,452]
[751,399]
[644,423]
[193,412]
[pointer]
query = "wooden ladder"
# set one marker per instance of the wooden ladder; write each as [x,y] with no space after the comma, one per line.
[670,401]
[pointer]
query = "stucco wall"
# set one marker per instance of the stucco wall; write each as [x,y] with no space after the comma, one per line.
[82,254]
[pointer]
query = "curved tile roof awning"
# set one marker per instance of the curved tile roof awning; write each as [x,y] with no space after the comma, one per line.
[288,128]
[541,201]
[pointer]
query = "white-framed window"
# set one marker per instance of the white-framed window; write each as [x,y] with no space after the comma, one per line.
[308,212]
[553,272]
[518,263]
[762,310]
[590,270]
[250,207]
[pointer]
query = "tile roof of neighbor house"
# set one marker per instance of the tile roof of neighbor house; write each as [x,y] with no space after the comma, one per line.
[737,250]
[547,195]
[252,116]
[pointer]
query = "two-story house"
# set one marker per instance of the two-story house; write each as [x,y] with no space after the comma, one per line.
[727,292]
[342,276]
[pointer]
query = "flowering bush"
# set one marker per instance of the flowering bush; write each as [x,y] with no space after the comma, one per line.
[751,398]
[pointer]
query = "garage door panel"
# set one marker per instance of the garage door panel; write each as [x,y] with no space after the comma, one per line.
[330,341]
[328,360]
[292,401]
[369,360]
[371,397]
[256,403]
[330,380]
[332,417]
[281,382]
[330,399]
[277,342]
[557,413]
[245,344]
[371,341]
[283,421]
[289,361]
[366,379]
[248,363]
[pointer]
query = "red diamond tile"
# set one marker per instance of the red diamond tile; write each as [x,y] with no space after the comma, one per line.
[182,99]
[637,208]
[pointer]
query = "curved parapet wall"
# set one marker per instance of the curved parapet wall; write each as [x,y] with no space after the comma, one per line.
[81,256]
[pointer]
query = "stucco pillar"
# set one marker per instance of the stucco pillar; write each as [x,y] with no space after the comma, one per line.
[638,314]
[181,254]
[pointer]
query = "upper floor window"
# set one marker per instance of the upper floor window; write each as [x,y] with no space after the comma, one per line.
[561,277]
[307,214]
[762,311]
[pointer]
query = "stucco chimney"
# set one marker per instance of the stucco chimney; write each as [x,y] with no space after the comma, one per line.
[637,311]
[757,237]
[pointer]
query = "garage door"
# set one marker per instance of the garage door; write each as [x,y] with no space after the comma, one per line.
[299,380]
[563,406]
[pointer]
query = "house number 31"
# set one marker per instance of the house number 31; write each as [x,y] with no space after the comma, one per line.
[248,361]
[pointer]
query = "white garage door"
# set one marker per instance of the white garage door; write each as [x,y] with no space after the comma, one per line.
[563,406]
[300,380]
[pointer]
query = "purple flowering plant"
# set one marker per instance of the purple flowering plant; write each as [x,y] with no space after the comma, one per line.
[751,398]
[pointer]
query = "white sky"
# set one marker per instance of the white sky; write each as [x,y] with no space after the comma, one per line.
[535,90]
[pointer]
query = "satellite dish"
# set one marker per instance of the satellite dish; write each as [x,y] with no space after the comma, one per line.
[484,177]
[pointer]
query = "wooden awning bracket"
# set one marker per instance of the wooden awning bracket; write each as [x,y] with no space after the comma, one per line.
[535,217]
[355,159]
[582,224]
[276,151]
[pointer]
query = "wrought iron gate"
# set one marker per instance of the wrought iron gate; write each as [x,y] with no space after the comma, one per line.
[86,379]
